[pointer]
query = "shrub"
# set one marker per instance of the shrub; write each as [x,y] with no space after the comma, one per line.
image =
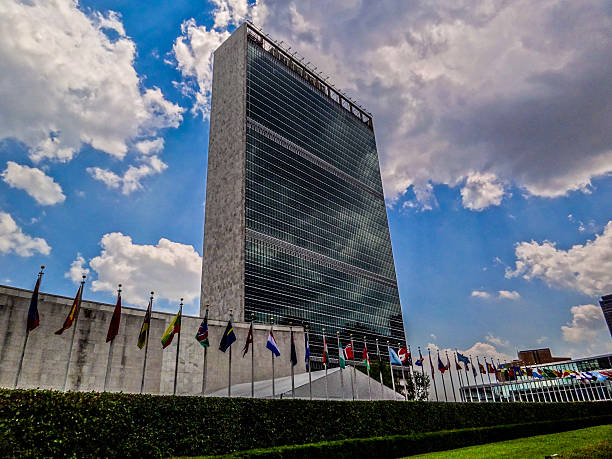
[48,423]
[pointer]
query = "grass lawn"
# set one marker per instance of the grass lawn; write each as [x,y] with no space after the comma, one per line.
[592,442]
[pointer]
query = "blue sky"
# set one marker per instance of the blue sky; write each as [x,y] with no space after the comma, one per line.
[492,127]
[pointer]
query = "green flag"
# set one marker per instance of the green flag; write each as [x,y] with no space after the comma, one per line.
[341,360]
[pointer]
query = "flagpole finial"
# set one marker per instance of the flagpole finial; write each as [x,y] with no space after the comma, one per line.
[337,332]
[152,293]
[119,289]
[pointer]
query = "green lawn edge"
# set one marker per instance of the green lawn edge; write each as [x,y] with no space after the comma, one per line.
[585,442]
[399,445]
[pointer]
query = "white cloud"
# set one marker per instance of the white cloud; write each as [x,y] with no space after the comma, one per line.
[170,269]
[147,147]
[472,92]
[496,341]
[541,339]
[66,83]
[481,191]
[588,324]
[509,295]
[13,239]
[131,179]
[585,268]
[34,182]
[77,269]
[480,294]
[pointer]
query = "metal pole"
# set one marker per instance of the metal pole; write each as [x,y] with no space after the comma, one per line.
[292,373]
[205,357]
[404,377]
[475,380]
[486,399]
[353,375]
[178,347]
[489,376]
[309,366]
[27,335]
[109,360]
[365,347]
[391,367]
[450,375]
[273,377]
[76,318]
[326,357]
[253,357]
[467,380]
[425,389]
[432,374]
[341,369]
[144,365]
[229,367]
[379,370]
[412,379]
[443,384]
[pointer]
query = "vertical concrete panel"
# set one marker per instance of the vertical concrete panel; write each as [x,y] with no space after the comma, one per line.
[223,261]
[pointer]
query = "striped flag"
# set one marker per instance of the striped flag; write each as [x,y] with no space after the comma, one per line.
[173,329]
[144,329]
[325,354]
[74,310]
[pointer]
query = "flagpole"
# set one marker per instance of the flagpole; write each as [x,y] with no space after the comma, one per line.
[489,376]
[484,391]
[325,357]
[341,369]
[109,360]
[309,366]
[442,376]
[178,347]
[353,375]
[426,389]
[290,357]
[229,369]
[253,357]
[76,318]
[467,378]
[461,394]
[450,375]
[412,379]
[205,356]
[144,365]
[399,345]
[27,335]
[379,370]
[391,368]
[365,346]
[273,385]
[432,374]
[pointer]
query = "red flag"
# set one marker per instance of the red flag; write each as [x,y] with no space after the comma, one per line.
[33,318]
[348,351]
[249,341]
[324,351]
[74,310]
[113,328]
[404,355]
[482,368]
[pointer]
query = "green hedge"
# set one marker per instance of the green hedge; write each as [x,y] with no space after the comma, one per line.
[47,423]
[418,443]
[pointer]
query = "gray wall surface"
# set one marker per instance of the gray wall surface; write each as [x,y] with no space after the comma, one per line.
[224,223]
[46,353]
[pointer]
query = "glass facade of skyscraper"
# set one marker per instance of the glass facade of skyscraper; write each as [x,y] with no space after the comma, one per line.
[318,250]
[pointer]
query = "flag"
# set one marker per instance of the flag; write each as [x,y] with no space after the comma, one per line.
[249,340]
[33,319]
[348,351]
[366,357]
[441,366]
[447,362]
[202,334]
[113,328]
[393,357]
[228,337]
[173,329]
[293,352]
[271,344]
[74,310]
[490,368]
[341,361]
[431,366]
[482,368]
[144,329]
[307,351]
[404,356]
[473,369]
[325,354]
[419,362]
[457,366]
[462,358]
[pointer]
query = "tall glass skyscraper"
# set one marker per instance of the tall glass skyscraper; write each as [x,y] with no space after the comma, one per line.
[296,225]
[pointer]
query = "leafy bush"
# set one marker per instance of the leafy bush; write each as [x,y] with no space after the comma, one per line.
[417,443]
[48,423]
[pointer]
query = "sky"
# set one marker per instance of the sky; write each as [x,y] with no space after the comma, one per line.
[493,125]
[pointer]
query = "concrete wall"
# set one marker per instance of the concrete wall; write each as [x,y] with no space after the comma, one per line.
[223,261]
[46,353]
